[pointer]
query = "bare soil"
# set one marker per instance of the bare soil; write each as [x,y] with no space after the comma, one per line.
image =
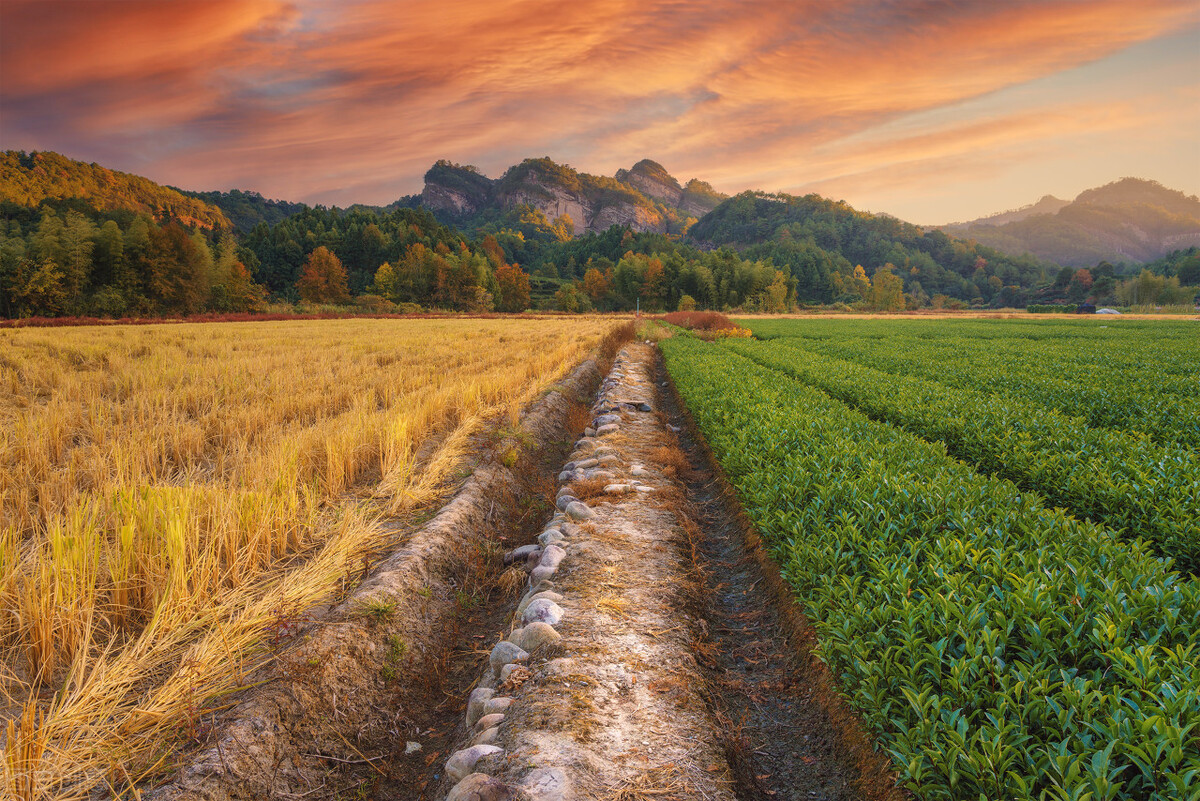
[788,735]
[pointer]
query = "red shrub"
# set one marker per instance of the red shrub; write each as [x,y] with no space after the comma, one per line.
[699,320]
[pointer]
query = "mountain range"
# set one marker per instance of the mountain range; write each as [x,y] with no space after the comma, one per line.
[645,197]
[1127,221]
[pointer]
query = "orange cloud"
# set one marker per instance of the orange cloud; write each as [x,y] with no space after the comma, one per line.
[351,101]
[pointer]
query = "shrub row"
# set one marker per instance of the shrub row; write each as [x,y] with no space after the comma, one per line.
[1120,479]
[1132,401]
[999,649]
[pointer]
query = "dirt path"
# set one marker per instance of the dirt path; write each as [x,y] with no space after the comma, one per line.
[656,654]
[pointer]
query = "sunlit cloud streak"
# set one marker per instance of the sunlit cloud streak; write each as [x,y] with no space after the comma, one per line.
[351,102]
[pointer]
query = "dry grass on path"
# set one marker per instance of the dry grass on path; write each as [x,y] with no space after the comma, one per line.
[172,495]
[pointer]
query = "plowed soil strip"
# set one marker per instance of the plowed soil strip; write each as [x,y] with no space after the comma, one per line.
[787,734]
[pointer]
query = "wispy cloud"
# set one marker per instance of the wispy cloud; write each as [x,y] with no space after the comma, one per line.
[344,102]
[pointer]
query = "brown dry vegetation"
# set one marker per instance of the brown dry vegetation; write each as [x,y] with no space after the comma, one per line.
[172,497]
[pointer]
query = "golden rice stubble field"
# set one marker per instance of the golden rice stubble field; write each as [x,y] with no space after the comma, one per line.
[168,491]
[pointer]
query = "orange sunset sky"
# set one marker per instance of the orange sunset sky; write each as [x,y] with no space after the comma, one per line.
[932,110]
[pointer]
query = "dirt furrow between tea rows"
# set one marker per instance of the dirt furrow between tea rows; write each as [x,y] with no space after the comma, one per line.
[655,655]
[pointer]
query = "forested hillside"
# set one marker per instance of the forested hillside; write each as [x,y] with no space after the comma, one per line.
[77,239]
[247,209]
[824,243]
[46,178]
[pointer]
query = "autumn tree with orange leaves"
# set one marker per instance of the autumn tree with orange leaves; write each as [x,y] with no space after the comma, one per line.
[323,279]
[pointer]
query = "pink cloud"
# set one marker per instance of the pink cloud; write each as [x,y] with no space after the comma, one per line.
[319,101]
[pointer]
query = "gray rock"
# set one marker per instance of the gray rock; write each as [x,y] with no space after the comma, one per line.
[540,586]
[644,407]
[609,460]
[617,489]
[541,573]
[547,784]
[571,530]
[639,471]
[481,787]
[507,670]
[606,419]
[564,476]
[606,475]
[564,500]
[519,554]
[644,488]
[550,535]
[461,763]
[579,511]
[542,610]
[494,705]
[552,556]
[533,559]
[488,721]
[529,597]
[486,737]
[586,463]
[475,701]
[505,653]
[611,428]
[533,637]
[590,432]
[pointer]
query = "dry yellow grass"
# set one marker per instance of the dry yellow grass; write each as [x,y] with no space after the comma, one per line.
[168,491]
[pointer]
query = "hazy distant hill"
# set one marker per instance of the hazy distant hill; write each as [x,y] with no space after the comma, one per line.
[1049,204]
[28,179]
[645,197]
[1130,220]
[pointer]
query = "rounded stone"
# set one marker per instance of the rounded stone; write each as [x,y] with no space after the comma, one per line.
[589,432]
[541,573]
[552,556]
[610,428]
[461,763]
[533,595]
[481,787]
[617,489]
[543,610]
[578,510]
[505,653]
[565,500]
[606,419]
[533,637]
[498,704]
[487,736]
[475,701]
[488,721]
[550,536]
[520,554]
